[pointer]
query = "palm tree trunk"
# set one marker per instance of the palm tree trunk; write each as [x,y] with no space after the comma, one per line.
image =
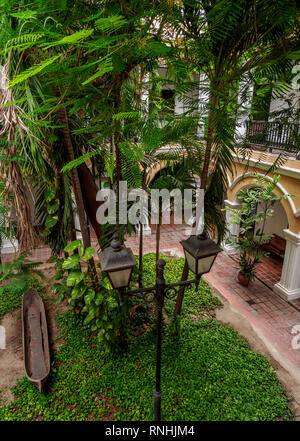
[214,99]
[180,294]
[116,137]
[26,233]
[213,102]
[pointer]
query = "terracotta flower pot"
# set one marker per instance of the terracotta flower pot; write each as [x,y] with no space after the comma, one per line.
[243,280]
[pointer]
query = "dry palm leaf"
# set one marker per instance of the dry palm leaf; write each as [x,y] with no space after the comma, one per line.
[11,123]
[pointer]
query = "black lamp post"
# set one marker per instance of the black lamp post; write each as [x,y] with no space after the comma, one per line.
[118,262]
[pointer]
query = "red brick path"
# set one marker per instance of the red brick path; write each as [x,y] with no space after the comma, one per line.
[264,309]
[170,236]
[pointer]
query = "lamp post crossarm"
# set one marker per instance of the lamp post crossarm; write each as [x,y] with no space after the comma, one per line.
[149,294]
[172,289]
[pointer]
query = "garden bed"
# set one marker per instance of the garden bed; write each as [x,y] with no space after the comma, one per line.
[208,371]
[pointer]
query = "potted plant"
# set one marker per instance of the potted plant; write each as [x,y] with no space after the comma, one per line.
[247,267]
[249,243]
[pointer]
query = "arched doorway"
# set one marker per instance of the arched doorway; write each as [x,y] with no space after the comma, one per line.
[269,271]
[284,276]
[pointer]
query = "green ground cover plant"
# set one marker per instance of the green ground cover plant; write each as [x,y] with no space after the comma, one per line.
[16,278]
[208,370]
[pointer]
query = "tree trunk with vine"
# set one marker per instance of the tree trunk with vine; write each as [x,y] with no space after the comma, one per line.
[63,118]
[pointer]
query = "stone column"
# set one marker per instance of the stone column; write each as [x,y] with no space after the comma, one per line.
[145,96]
[244,108]
[203,103]
[289,286]
[232,229]
[9,246]
[77,226]
[146,228]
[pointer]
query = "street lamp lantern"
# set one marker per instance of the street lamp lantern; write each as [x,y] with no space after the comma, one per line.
[118,262]
[200,253]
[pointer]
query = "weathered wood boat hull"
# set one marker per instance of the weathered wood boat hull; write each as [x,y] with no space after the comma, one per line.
[35,339]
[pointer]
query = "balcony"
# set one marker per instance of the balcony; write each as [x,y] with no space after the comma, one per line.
[273,136]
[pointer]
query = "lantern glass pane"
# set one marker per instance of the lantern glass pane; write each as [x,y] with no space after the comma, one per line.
[121,278]
[205,264]
[191,261]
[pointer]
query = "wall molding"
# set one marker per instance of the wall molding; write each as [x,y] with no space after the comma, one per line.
[283,170]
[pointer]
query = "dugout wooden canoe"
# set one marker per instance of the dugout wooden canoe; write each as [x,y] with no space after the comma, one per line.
[35,339]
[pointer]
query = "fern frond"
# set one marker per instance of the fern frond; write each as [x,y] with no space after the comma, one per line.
[78,161]
[74,38]
[109,162]
[105,66]
[125,115]
[34,70]
[24,41]
[110,24]
[24,15]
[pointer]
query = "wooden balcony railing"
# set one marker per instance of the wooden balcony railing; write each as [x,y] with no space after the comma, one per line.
[274,135]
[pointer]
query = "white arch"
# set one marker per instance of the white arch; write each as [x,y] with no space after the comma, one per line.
[152,168]
[296,213]
[228,179]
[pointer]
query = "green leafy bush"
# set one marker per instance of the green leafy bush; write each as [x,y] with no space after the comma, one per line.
[95,301]
[16,278]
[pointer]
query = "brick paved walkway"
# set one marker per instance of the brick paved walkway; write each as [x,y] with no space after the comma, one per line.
[170,236]
[271,316]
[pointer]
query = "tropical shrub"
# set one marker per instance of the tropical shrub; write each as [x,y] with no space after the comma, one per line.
[16,278]
[252,237]
[94,301]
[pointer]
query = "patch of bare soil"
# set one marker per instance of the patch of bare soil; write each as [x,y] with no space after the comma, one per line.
[11,358]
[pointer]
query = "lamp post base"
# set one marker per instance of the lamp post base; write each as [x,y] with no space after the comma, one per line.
[157,405]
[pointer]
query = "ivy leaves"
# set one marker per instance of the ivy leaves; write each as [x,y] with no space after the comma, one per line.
[72,246]
[97,304]
[73,263]
[88,253]
[84,253]
[76,279]
[53,205]
[51,221]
